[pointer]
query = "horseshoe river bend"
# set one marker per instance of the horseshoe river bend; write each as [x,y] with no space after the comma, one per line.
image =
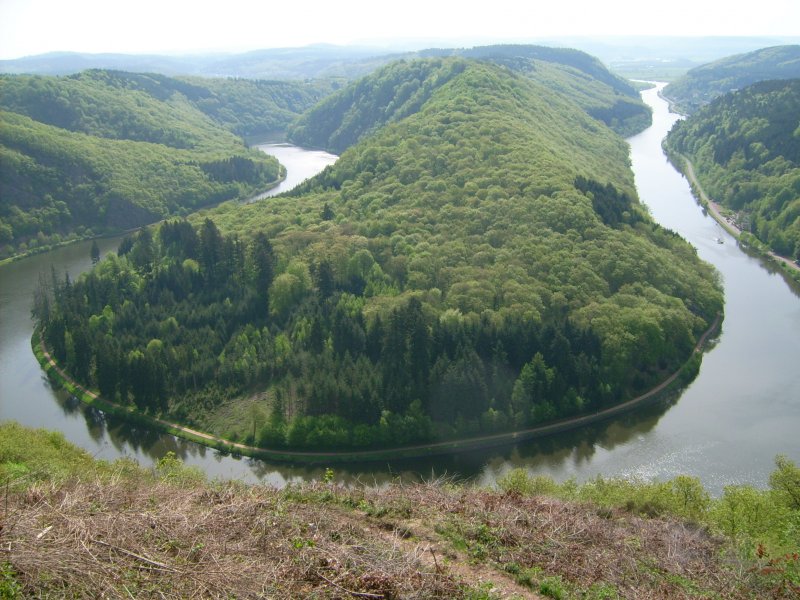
[726,427]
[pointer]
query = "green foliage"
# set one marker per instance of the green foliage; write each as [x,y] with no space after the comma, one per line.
[252,107]
[394,92]
[518,481]
[105,150]
[553,587]
[702,84]
[765,523]
[527,57]
[328,476]
[157,108]
[683,496]
[785,483]
[10,588]
[400,89]
[31,455]
[602,591]
[484,266]
[171,469]
[746,151]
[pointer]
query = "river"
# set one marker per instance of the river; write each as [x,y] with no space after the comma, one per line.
[27,397]
[300,164]
[743,408]
[725,428]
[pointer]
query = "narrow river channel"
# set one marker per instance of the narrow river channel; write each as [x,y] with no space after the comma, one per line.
[725,428]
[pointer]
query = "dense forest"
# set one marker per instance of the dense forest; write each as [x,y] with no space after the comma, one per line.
[479,265]
[745,147]
[102,150]
[704,83]
[403,87]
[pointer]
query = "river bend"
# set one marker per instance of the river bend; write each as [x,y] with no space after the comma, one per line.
[725,428]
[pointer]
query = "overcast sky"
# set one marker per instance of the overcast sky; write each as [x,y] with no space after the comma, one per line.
[179,26]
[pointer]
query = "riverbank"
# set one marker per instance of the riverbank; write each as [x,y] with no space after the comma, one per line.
[249,197]
[683,165]
[51,247]
[687,372]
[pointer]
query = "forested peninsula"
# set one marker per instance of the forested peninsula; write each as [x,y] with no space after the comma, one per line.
[745,148]
[106,151]
[478,262]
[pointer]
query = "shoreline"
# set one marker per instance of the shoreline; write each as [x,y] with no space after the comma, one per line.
[684,166]
[91,398]
[252,196]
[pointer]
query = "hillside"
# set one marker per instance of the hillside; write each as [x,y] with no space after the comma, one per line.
[601,93]
[102,150]
[702,84]
[393,93]
[745,148]
[480,265]
[76,527]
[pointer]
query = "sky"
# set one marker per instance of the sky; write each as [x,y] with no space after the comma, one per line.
[29,27]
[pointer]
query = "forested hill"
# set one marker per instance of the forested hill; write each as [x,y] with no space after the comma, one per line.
[399,89]
[745,147]
[702,84]
[522,57]
[124,105]
[107,150]
[481,264]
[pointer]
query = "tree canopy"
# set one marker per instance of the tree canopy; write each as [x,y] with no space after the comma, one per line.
[476,263]
[401,88]
[745,147]
[106,150]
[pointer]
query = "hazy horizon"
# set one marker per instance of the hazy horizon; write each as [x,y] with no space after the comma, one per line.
[33,27]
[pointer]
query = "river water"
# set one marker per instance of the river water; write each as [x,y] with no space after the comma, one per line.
[726,427]
[300,164]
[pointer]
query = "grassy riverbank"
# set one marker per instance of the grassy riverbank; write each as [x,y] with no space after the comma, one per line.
[62,380]
[77,527]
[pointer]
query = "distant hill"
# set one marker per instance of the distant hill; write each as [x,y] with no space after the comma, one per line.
[642,56]
[390,95]
[99,98]
[70,63]
[702,84]
[107,150]
[520,57]
[310,62]
[745,147]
